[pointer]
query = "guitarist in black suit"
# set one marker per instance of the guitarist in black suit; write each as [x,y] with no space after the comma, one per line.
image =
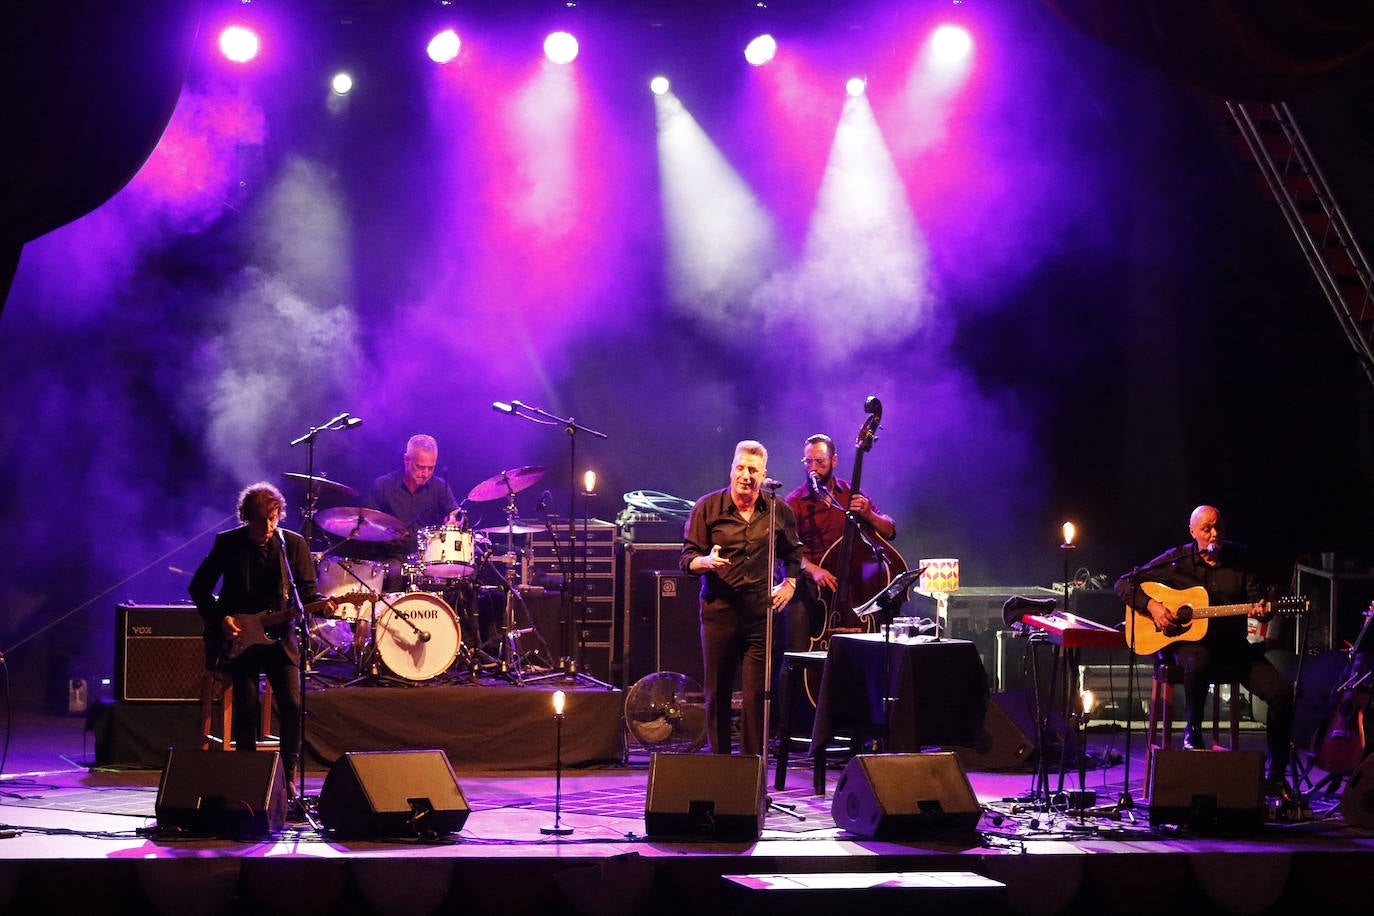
[1224,652]
[249,562]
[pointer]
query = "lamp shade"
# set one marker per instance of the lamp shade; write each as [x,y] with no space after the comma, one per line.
[940,575]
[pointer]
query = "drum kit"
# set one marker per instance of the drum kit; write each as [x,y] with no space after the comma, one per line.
[418,620]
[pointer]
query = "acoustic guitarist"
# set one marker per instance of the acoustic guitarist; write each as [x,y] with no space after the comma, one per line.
[1224,653]
[250,562]
[821,526]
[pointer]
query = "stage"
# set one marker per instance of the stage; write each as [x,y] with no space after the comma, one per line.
[78,840]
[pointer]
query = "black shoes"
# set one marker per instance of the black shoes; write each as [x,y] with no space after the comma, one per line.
[1193,740]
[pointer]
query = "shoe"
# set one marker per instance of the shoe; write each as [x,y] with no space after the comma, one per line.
[1193,740]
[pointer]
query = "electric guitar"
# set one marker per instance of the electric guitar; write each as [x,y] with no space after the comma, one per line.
[1190,607]
[253,628]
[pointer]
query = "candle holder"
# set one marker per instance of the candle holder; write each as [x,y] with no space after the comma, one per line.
[559,698]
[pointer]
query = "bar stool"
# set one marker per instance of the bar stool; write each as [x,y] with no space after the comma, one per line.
[1166,676]
[219,685]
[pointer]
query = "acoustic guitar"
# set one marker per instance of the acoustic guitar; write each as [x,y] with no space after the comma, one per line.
[1341,746]
[1190,607]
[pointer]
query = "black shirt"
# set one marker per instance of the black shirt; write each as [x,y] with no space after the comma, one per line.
[716,522]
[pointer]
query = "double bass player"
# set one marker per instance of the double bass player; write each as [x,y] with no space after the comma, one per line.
[821,522]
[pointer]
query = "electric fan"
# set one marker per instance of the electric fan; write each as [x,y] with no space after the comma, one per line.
[666,713]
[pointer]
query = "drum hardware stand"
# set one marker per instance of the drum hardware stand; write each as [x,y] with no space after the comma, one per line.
[570,667]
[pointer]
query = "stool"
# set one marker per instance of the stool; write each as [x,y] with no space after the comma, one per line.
[792,680]
[218,683]
[1166,676]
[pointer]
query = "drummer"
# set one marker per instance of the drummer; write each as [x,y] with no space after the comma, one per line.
[415,496]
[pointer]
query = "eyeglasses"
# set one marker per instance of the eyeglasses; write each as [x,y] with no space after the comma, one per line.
[810,461]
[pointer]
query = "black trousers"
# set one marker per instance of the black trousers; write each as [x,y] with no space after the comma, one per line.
[732,641]
[1204,664]
[284,676]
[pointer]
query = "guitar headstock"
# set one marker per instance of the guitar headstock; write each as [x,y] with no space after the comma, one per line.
[1296,604]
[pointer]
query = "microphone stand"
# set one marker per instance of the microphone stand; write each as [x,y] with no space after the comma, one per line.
[302,624]
[788,809]
[570,667]
[303,636]
[1125,802]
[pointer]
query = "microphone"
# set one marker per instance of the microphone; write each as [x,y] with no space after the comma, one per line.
[352,423]
[503,407]
[771,484]
[544,501]
[1211,548]
[424,635]
[815,483]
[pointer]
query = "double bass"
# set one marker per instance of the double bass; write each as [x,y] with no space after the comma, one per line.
[861,560]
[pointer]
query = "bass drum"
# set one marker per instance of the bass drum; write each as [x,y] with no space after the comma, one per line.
[403,621]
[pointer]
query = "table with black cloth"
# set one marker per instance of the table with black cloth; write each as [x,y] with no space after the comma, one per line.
[940,686]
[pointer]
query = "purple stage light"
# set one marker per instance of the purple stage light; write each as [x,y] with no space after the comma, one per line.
[560,47]
[341,83]
[659,85]
[761,50]
[444,46]
[239,43]
[951,44]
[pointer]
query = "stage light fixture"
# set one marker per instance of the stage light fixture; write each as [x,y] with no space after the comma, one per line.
[444,46]
[560,47]
[951,43]
[761,50]
[239,43]
[341,83]
[855,86]
[658,85]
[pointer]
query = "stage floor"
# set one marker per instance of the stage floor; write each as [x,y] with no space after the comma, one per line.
[77,840]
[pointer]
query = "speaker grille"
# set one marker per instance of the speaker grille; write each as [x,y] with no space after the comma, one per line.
[163,668]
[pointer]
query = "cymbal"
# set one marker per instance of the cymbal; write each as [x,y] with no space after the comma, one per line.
[505,483]
[512,529]
[324,483]
[360,524]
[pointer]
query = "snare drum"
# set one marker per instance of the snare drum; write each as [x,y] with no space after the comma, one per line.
[339,578]
[401,619]
[446,552]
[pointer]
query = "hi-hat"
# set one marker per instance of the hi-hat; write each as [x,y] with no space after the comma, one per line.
[324,484]
[360,524]
[505,483]
[512,529]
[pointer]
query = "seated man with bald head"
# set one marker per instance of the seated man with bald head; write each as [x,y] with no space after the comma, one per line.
[1224,653]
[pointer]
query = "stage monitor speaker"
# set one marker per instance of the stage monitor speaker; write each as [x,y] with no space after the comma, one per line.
[1357,801]
[220,793]
[159,653]
[1207,791]
[905,796]
[392,794]
[705,797]
[1008,738]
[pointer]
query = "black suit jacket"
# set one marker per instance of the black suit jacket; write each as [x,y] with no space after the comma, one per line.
[231,562]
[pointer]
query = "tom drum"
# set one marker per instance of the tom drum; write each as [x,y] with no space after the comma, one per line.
[446,552]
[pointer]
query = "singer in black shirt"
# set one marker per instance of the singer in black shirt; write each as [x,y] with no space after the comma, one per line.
[249,563]
[1224,653]
[726,542]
